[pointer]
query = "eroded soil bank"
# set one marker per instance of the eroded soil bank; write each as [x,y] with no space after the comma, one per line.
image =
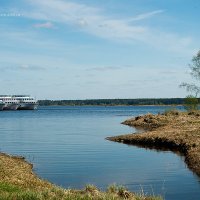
[176,131]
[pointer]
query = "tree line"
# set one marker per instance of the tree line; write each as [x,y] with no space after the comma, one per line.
[113,102]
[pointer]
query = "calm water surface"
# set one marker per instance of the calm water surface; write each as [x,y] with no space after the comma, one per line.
[67,146]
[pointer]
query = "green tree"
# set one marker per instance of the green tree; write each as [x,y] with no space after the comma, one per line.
[191,103]
[195,73]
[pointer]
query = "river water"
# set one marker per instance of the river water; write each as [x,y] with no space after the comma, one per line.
[67,147]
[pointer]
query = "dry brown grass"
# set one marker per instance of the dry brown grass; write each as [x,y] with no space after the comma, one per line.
[17,171]
[17,182]
[172,130]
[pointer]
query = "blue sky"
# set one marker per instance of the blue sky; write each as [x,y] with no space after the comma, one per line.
[86,49]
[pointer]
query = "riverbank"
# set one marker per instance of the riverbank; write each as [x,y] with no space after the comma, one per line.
[173,130]
[18,181]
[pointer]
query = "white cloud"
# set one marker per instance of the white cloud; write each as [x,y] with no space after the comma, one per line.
[108,68]
[47,25]
[14,67]
[146,15]
[30,67]
[94,21]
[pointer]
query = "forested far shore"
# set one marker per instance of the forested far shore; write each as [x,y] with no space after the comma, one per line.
[113,102]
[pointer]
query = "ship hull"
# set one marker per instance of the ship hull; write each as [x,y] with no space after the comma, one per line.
[2,106]
[27,106]
[11,107]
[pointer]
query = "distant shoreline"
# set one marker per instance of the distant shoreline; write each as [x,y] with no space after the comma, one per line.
[113,105]
[115,102]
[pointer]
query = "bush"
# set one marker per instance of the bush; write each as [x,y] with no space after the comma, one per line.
[191,103]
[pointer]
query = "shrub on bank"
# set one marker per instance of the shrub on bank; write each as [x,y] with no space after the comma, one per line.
[191,103]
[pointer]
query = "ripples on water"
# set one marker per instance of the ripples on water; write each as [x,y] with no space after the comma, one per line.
[67,146]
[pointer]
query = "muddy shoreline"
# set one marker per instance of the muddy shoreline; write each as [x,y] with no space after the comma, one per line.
[174,130]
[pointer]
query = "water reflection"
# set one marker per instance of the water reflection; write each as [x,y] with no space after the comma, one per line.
[67,146]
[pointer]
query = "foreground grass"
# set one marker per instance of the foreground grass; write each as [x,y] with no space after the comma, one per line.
[176,131]
[18,182]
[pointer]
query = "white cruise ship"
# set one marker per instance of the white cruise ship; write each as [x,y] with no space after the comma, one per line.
[26,102]
[2,105]
[9,102]
[17,102]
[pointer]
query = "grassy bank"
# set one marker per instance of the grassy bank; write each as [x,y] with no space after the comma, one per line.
[17,182]
[173,130]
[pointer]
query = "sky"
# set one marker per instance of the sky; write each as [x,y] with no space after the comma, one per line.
[97,49]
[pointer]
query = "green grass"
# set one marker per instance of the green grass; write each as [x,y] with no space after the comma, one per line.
[5,187]
[114,192]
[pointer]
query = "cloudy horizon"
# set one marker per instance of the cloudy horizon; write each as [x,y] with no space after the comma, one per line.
[82,49]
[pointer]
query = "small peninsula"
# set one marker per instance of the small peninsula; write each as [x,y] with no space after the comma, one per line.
[172,130]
